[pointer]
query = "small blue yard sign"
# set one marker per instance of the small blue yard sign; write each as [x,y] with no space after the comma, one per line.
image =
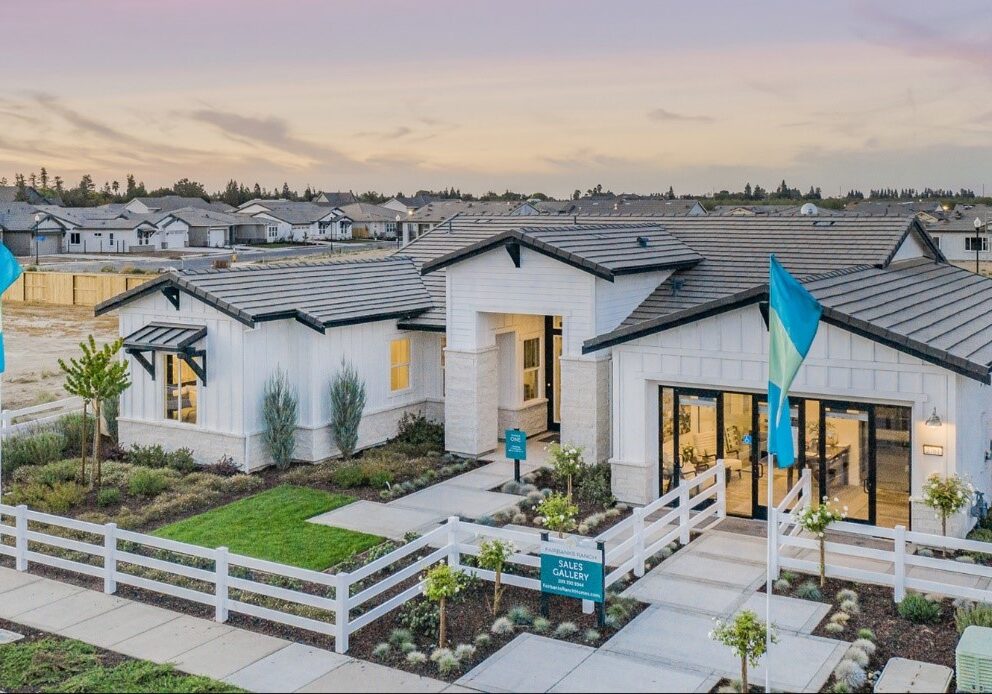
[572,571]
[516,444]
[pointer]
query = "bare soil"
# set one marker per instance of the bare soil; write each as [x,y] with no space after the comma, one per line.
[36,336]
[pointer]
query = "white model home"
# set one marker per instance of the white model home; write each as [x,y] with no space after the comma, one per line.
[642,340]
[289,220]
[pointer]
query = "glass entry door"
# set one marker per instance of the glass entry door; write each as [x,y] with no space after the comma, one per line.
[783,478]
[847,457]
[552,369]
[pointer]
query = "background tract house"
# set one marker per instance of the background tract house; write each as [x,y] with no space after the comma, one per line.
[433,213]
[212,229]
[370,221]
[288,220]
[641,339]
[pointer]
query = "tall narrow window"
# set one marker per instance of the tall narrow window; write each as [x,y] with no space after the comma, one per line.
[181,390]
[399,364]
[532,367]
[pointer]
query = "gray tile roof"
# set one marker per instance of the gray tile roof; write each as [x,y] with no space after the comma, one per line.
[20,216]
[443,209]
[209,218]
[296,212]
[336,199]
[603,250]
[318,295]
[617,206]
[167,203]
[367,212]
[419,200]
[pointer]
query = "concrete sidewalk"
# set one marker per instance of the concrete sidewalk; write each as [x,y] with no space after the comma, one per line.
[246,659]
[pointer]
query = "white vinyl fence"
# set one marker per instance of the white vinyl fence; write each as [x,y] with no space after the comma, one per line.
[897,563]
[333,604]
[31,418]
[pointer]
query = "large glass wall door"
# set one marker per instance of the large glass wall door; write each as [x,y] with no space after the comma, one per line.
[893,462]
[847,460]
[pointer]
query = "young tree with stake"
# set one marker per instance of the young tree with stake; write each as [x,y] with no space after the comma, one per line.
[747,636]
[493,555]
[441,583]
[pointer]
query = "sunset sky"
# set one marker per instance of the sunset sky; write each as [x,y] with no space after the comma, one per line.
[533,96]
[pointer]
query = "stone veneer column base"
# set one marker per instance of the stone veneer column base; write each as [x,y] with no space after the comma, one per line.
[585,406]
[470,402]
[634,483]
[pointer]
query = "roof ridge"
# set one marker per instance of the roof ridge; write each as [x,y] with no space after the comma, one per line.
[296,263]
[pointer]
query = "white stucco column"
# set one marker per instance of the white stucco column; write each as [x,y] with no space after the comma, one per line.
[585,405]
[471,400]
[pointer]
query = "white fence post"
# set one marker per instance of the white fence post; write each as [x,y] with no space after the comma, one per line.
[638,542]
[110,558]
[684,513]
[342,592]
[900,563]
[453,554]
[721,490]
[220,575]
[21,538]
[773,540]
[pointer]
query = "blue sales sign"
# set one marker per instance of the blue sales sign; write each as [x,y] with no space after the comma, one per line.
[516,444]
[572,571]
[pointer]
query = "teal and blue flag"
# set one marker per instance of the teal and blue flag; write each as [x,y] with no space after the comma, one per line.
[10,270]
[793,317]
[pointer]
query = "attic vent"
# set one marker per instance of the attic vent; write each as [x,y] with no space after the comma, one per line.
[677,286]
[642,241]
[823,223]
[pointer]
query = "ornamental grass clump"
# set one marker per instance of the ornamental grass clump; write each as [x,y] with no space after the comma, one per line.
[559,514]
[946,496]
[567,463]
[816,520]
[850,674]
[746,636]
[502,627]
[440,584]
[494,555]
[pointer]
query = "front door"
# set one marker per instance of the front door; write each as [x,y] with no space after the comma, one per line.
[552,370]
[846,451]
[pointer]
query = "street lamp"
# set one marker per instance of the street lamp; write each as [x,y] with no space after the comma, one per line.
[978,242]
[37,220]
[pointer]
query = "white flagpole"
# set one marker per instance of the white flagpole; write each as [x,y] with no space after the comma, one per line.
[770,506]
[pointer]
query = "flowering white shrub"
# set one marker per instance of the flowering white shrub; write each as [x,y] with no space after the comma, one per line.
[946,496]
[816,520]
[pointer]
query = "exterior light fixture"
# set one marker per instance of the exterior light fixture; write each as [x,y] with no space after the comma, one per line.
[934,419]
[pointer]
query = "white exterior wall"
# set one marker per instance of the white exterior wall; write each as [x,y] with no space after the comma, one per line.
[952,246]
[175,234]
[239,361]
[99,241]
[729,352]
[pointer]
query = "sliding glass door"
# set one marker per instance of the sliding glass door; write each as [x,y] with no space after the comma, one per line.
[847,461]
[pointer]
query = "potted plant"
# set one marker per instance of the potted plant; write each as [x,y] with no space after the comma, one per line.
[816,519]
[946,496]
[745,634]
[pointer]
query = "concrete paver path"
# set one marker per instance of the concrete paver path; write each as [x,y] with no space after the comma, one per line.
[252,661]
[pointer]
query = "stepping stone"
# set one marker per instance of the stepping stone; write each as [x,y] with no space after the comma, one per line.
[374,518]
[903,675]
[609,672]
[361,676]
[287,669]
[225,655]
[118,625]
[70,610]
[450,500]
[9,636]
[790,614]
[528,663]
[163,643]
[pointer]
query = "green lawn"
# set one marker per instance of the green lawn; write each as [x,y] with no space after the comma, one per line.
[52,664]
[272,525]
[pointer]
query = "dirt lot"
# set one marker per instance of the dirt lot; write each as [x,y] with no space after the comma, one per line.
[35,337]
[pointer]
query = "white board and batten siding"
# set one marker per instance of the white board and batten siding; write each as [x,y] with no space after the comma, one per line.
[729,352]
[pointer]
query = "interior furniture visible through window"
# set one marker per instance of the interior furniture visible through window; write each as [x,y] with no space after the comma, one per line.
[532,367]
[399,364]
[181,390]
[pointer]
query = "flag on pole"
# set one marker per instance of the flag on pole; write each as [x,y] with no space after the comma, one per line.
[793,316]
[10,270]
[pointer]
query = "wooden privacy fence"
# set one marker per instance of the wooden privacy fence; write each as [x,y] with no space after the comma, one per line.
[895,556]
[335,604]
[71,288]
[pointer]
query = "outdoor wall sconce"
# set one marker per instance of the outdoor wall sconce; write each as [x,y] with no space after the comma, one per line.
[932,450]
[934,419]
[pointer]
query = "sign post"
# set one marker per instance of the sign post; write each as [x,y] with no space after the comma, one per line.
[516,449]
[574,571]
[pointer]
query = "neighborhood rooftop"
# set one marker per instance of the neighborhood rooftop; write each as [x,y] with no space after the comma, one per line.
[319,295]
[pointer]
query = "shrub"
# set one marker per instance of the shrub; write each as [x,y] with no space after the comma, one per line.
[918,609]
[448,663]
[407,647]
[483,640]
[590,636]
[858,656]
[512,487]
[148,482]
[224,467]
[347,405]
[108,496]
[845,594]
[381,651]
[865,645]
[850,607]
[439,653]
[418,436]
[31,449]
[840,617]
[540,625]
[979,614]
[155,456]
[416,658]
[398,637]
[280,410]
[850,674]
[420,617]
[520,615]
[834,628]
[52,473]
[349,476]
[61,498]
[74,432]
[464,651]
[946,496]
[111,408]
[566,629]
[867,634]
[816,520]
[502,627]
[782,585]
[593,485]
[808,590]
[559,513]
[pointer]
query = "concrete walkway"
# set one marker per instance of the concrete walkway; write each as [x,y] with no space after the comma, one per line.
[466,495]
[249,660]
[667,647]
